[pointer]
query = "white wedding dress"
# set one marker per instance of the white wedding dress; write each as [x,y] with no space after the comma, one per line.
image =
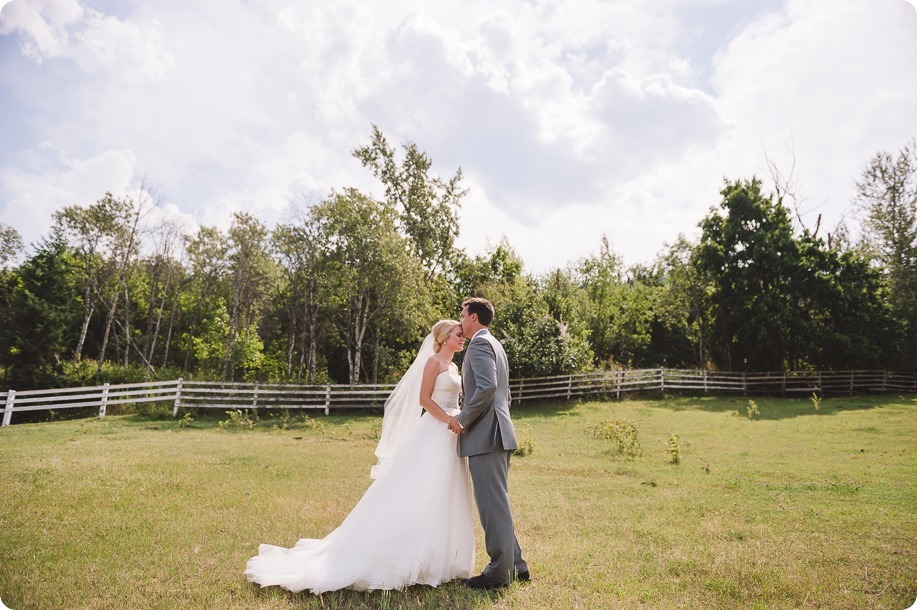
[412,526]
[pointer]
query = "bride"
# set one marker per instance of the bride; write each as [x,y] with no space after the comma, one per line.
[413,525]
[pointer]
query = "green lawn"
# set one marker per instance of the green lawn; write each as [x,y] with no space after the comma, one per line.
[794,509]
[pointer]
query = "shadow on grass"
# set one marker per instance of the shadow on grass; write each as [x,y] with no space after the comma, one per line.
[768,407]
[777,408]
[449,595]
[265,417]
[546,410]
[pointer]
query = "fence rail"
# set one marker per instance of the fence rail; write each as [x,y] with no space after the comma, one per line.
[183,394]
[617,382]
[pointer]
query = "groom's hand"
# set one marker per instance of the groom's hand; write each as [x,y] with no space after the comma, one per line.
[455,426]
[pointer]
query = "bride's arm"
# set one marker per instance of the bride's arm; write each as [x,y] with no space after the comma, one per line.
[430,371]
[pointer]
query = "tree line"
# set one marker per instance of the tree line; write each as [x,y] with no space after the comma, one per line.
[344,289]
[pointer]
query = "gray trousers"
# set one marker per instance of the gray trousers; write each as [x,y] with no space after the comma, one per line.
[491,493]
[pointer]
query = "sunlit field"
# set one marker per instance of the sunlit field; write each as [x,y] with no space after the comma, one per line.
[794,508]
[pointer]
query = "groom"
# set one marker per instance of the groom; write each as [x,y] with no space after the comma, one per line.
[487,439]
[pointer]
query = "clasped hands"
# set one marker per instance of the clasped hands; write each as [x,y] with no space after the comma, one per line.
[455,426]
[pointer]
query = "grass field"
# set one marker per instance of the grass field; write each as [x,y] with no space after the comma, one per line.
[794,509]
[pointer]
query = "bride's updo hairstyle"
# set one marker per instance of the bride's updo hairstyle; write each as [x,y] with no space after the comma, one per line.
[441,331]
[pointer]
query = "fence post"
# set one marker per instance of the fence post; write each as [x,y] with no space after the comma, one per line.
[619,376]
[177,398]
[255,397]
[8,411]
[705,381]
[327,399]
[521,384]
[662,380]
[851,383]
[744,385]
[569,386]
[104,401]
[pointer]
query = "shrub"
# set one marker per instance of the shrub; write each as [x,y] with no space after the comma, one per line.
[753,412]
[526,445]
[816,401]
[239,419]
[674,449]
[288,421]
[310,423]
[622,433]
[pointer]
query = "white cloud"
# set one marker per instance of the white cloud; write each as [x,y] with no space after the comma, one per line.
[59,181]
[131,52]
[50,29]
[824,80]
[569,119]
[641,121]
[43,24]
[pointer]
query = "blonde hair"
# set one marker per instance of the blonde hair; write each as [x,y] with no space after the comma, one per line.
[441,331]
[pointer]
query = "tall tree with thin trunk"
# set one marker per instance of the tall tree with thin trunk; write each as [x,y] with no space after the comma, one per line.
[89,231]
[887,200]
[298,253]
[10,245]
[125,245]
[208,259]
[369,269]
[162,275]
[250,269]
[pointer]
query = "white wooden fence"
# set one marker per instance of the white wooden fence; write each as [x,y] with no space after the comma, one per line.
[217,395]
[616,383]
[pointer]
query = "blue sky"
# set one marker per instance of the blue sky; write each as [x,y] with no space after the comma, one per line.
[570,118]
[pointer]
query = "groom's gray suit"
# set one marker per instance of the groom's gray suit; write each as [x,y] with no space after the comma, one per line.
[488,442]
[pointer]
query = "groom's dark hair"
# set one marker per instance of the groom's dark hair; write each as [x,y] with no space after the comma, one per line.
[482,307]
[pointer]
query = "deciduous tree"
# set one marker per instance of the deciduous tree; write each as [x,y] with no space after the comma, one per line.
[370,270]
[427,205]
[887,200]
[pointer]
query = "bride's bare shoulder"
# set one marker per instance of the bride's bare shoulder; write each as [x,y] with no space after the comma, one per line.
[437,364]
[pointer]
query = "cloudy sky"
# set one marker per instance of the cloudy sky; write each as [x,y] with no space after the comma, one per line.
[570,118]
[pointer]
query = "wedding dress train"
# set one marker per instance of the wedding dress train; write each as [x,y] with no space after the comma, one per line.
[412,526]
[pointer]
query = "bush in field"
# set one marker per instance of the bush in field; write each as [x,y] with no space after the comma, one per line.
[674,449]
[526,444]
[623,435]
[752,410]
[289,421]
[239,419]
[816,401]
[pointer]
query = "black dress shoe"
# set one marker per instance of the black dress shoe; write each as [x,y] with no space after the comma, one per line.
[523,576]
[484,582]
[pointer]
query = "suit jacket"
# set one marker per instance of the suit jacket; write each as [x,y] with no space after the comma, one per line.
[485,412]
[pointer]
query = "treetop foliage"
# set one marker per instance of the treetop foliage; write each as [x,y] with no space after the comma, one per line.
[346,289]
